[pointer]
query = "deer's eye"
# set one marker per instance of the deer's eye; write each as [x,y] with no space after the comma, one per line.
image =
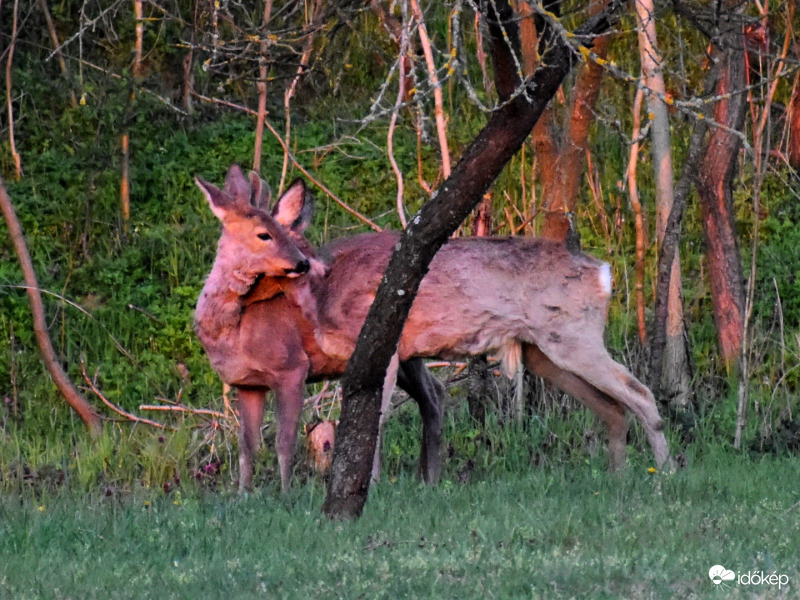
[264,236]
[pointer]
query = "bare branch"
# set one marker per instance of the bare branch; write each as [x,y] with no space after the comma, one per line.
[114,407]
[183,409]
[9,104]
[60,378]
[86,25]
[294,160]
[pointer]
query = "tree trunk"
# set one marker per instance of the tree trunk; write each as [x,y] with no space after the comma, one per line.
[188,65]
[563,198]
[478,367]
[715,188]
[9,102]
[482,161]
[672,232]
[261,114]
[561,162]
[478,388]
[138,11]
[60,378]
[125,181]
[544,136]
[51,30]
[794,124]
[638,217]
[675,369]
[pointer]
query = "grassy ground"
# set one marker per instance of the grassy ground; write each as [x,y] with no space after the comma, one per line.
[555,532]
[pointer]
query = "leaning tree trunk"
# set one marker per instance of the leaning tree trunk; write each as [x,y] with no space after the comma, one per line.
[715,188]
[60,378]
[480,164]
[669,248]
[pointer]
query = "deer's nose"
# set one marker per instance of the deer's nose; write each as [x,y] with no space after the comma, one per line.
[302,267]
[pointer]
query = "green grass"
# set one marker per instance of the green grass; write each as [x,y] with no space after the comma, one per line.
[553,532]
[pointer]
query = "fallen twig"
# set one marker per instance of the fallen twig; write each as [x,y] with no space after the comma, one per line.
[114,407]
[183,409]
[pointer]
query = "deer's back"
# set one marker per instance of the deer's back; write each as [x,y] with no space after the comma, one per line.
[479,294]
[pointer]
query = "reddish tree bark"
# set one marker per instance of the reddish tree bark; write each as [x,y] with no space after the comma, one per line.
[480,164]
[60,378]
[261,85]
[794,124]
[715,188]
[544,136]
[561,162]
[563,197]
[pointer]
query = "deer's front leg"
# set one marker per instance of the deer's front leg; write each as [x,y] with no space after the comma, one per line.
[288,406]
[251,414]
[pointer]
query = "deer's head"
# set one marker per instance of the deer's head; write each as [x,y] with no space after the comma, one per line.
[257,241]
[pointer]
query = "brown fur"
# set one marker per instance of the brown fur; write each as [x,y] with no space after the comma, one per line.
[265,323]
[255,334]
[525,300]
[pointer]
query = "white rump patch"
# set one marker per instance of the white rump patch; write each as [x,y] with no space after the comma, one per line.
[604,276]
[510,355]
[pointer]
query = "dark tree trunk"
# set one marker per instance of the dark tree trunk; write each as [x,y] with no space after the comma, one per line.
[480,164]
[715,188]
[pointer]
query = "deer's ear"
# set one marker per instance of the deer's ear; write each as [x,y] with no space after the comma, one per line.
[218,200]
[236,185]
[294,208]
[260,194]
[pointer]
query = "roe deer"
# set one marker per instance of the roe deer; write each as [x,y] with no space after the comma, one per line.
[257,337]
[531,301]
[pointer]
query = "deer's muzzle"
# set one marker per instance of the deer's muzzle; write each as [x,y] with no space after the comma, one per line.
[299,269]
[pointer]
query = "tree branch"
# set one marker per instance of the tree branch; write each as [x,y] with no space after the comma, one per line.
[51,362]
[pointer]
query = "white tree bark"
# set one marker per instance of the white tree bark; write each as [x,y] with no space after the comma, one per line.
[675,374]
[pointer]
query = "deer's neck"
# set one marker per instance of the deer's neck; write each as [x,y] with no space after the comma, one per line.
[219,308]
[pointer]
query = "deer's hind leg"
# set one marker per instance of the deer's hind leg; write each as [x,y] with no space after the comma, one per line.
[592,363]
[611,412]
